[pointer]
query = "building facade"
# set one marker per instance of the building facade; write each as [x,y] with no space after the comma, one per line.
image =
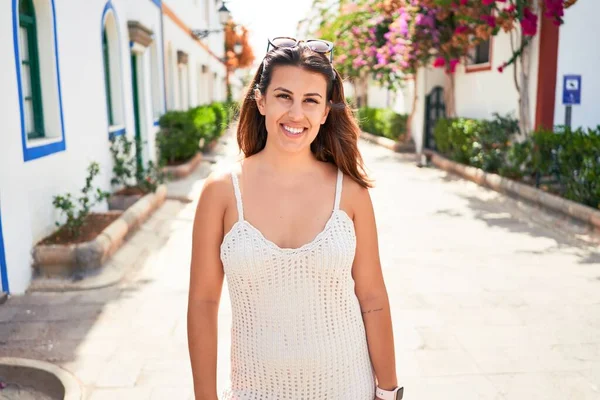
[481,91]
[76,74]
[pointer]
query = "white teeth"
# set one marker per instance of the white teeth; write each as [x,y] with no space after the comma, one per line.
[293,130]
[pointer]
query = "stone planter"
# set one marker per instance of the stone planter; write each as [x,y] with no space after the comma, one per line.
[33,379]
[122,201]
[536,196]
[398,147]
[183,170]
[53,260]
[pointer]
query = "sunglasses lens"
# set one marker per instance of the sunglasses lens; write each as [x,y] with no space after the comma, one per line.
[283,42]
[318,46]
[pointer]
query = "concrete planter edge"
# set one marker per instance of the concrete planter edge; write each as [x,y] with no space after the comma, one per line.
[499,183]
[61,261]
[183,170]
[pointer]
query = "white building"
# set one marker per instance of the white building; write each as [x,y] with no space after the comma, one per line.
[75,73]
[481,91]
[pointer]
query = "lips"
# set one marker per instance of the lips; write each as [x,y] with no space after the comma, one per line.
[292,130]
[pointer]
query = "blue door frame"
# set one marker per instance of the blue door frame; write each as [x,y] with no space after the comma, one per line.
[3,273]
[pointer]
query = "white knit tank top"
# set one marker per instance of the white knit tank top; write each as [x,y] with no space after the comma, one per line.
[297,331]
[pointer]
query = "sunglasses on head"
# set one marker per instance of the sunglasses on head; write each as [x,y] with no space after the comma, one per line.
[317,45]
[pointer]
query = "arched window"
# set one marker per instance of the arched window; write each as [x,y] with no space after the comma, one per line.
[155,62]
[30,67]
[106,57]
[112,66]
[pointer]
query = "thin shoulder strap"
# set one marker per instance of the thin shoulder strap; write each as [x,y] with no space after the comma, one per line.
[338,189]
[238,196]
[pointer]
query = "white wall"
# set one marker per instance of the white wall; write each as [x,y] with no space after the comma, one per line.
[579,54]
[27,187]
[480,94]
[193,15]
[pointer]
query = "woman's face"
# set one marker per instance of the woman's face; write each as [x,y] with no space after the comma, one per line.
[295,106]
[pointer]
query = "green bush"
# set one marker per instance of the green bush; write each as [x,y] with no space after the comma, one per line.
[566,161]
[382,122]
[178,139]
[204,120]
[578,159]
[221,111]
[480,143]
[492,142]
[456,137]
[183,133]
[518,162]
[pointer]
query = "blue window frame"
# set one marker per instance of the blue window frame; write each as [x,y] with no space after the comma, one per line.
[30,150]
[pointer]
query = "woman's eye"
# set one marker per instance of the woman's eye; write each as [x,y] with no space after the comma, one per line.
[312,101]
[283,96]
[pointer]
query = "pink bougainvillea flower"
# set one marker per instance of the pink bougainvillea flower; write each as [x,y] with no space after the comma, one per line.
[491,21]
[439,62]
[452,66]
[463,2]
[487,2]
[529,22]
[461,29]
[501,68]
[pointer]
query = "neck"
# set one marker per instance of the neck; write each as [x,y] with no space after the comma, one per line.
[288,163]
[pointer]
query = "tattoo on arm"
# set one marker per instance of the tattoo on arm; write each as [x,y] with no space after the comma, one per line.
[369,311]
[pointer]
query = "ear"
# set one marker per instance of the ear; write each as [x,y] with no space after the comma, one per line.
[326,113]
[260,101]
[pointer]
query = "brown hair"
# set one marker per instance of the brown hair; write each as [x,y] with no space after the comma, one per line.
[337,140]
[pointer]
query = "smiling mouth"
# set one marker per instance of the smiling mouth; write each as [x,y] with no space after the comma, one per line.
[292,131]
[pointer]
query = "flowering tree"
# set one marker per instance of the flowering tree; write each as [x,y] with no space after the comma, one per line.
[236,35]
[388,39]
[464,24]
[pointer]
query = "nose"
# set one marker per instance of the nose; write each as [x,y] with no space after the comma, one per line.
[295,112]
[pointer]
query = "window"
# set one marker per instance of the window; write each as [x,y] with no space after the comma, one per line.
[200,84]
[106,55]
[154,70]
[38,78]
[479,58]
[30,68]
[113,82]
[482,53]
[183,87]
[214,87]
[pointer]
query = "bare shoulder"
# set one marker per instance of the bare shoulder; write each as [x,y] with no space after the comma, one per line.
[356,199]
[217,191]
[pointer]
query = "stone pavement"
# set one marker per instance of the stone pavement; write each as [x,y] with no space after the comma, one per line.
[491,299]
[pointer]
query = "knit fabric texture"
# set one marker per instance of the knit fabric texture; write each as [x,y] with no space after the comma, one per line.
[297,330]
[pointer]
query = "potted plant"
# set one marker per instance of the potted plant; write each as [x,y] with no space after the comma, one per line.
[80,223]
[133,179]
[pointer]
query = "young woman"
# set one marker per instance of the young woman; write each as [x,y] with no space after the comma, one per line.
[292,228]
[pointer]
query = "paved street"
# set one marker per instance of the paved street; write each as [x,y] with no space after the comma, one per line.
[490,298]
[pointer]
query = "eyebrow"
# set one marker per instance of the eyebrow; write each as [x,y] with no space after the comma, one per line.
[290,92]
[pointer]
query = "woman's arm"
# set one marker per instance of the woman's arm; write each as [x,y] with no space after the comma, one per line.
[206,283]
[371,291]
